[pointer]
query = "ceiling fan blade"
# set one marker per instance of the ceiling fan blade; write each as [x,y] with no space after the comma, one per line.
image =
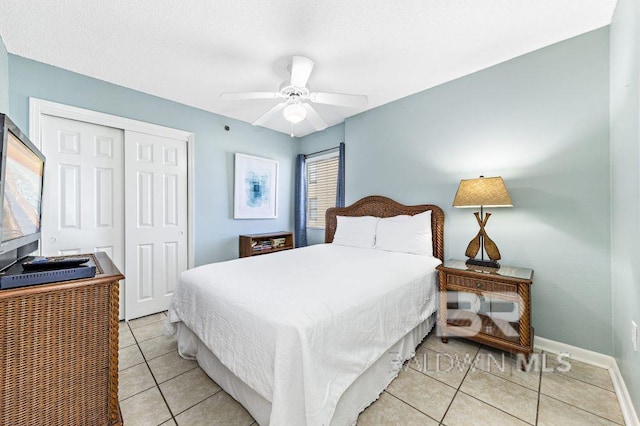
[301,68]
[241,96]
[267,115]
[313,117]
[339,99]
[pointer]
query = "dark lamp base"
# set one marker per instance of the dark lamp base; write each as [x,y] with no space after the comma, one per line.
[485,263]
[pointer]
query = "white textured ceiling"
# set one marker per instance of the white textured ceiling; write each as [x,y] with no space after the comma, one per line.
[190,51]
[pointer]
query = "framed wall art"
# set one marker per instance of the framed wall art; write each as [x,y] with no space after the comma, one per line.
[255,188]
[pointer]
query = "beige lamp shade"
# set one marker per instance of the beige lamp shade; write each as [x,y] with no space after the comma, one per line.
[485,192]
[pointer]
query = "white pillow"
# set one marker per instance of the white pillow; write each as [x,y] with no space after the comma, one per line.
[359,231]
[406,234]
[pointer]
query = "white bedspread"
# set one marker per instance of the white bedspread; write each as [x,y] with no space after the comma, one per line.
[300,326]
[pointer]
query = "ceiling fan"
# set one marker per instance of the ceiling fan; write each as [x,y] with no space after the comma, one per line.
[296,96]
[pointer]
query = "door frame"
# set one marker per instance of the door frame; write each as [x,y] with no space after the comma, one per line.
[40,107]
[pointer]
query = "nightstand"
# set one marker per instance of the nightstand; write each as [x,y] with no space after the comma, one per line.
[487,305]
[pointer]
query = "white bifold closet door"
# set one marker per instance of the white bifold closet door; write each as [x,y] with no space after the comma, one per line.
[121,192]
[156,220]
[83,198]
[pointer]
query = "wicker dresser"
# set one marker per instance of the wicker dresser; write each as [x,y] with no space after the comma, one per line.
[59,351]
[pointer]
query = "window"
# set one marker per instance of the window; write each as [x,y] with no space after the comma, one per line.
[322,182]
[312,210]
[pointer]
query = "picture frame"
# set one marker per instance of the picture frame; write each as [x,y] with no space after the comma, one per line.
[255,187]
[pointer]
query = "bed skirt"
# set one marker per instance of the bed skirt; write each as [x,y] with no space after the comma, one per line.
[364,391]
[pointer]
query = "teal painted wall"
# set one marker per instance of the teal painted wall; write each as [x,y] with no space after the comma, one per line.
[541,121]
[625,188]
[326,139]
[216,233]
[4,78]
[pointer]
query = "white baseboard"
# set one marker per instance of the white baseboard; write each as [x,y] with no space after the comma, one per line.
[579,354]
[599,360]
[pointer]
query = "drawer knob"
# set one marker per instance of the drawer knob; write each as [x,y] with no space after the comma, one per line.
[478,284]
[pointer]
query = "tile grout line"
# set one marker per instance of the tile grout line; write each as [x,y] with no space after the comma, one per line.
[459,385]
[433,378]
[135,365]
[406,403]
[137,343]
[472,367]
[132,366]
[585,382]
[166,403]
[157,385]
[496,408]
[539,392]
[502,378]
[407,363]
[582,409]
[172,417]
[509,381]
[575,406]
[199,402]
[565,402]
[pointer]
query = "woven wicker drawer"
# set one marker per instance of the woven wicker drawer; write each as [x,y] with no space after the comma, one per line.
[59,352]
[481,285]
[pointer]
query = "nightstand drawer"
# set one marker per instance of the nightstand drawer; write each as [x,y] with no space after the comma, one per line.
[492,307]
[481,285]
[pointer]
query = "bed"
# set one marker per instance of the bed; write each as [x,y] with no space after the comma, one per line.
[312,336]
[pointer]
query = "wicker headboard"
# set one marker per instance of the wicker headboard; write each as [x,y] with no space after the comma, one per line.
[379,206]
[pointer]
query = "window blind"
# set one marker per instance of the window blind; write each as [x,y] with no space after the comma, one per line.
[322,181]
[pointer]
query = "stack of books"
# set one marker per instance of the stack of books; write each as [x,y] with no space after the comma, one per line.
[261,245]
[278,242]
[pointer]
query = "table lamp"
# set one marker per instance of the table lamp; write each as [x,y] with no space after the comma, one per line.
[482,192]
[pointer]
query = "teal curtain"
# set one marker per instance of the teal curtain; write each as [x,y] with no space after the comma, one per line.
[300,203]
[340,189]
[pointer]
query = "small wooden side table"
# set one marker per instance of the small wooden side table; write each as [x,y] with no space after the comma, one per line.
[257,244]
[486,305]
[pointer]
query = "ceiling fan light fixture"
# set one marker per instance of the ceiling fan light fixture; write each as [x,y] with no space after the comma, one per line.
[295,113]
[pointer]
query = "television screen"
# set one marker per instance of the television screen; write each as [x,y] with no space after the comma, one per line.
[22,190]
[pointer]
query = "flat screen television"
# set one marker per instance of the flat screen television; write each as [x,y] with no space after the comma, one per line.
[21,183]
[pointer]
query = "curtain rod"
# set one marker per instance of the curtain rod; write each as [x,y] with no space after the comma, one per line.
[322,152]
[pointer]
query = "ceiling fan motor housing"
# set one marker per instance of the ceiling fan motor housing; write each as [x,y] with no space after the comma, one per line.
[292,92]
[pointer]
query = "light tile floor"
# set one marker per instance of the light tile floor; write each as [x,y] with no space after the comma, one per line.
[459,383]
